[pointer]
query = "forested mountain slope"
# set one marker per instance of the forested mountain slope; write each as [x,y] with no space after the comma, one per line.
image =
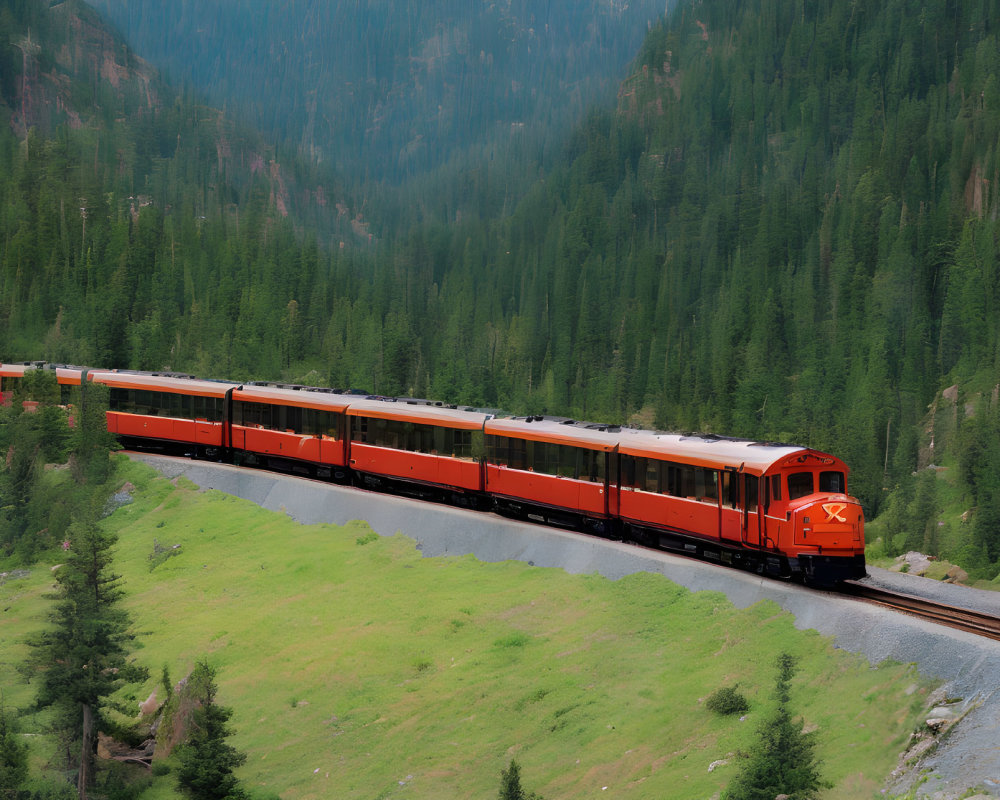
[130,212]
[786,230]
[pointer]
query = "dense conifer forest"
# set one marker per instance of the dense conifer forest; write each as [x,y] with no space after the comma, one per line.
[785,228]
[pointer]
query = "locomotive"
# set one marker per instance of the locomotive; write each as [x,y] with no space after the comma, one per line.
[778,509]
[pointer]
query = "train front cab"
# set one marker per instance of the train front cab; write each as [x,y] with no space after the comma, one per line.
[777,509]
[811,518]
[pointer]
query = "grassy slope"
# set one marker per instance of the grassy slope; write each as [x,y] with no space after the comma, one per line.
[359,669]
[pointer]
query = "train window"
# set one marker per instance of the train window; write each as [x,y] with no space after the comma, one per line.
[200,411]
[706,485]
[443,444]
[565,465]
[632,470]
[752,482]
[213,409]
[252,414]
[679,482]
[550,464]
[775,488]
[320,423]
[462,443]
[651,480]
[832,482]
[627,466]
[799,485]
[592,466]
[330,423]
[730,490]
[518,453]
[689,481]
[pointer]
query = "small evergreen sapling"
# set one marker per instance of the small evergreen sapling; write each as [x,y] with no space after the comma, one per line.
[510,784]
[206,760]
[783,761]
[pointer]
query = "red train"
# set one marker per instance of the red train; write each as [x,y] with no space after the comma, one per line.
[778,509]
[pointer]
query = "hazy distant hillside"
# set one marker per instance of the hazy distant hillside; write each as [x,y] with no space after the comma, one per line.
[385,88]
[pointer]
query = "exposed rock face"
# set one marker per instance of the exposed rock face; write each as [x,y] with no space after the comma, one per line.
[81,50]
[913,562]
[149,705]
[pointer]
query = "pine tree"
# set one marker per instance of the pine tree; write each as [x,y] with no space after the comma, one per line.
[783,763]
[207,761]
[84,658]
[13,755]
[510,784]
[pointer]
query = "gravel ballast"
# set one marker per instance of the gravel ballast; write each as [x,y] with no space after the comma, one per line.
[967,757]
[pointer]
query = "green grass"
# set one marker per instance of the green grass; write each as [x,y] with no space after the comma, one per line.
[359,669]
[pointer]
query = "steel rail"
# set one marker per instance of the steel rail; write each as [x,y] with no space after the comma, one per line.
[964,619]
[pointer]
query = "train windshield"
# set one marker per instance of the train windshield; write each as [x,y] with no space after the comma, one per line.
[799,485]
[832,482]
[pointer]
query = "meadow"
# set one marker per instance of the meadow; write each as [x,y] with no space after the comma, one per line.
[357,668]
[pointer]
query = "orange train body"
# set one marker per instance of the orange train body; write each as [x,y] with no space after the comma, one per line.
[777,508]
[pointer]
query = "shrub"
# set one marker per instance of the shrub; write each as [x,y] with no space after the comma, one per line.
[727,701]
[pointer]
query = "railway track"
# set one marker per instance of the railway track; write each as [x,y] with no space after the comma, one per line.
[963,619]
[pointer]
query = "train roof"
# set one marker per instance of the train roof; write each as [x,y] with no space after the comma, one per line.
[162,383]
[721,452]
[16,369]
[293,395]
[65,373]
[591,435]
[69,375]
[424,412]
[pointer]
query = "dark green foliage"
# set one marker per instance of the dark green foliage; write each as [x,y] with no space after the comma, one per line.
[38,505]
[206,761]
[31,515]
[783,761]
[84,657]
[13,755]
[510,784]
[727,701]
[91,442]
[979,464]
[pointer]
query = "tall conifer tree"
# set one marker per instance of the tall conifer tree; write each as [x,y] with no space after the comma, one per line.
[85,656]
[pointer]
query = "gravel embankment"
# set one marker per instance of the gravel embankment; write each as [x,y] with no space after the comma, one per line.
[969,756]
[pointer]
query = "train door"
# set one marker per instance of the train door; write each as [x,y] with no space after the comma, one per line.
[731,514]
[750,497]
[612,480]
